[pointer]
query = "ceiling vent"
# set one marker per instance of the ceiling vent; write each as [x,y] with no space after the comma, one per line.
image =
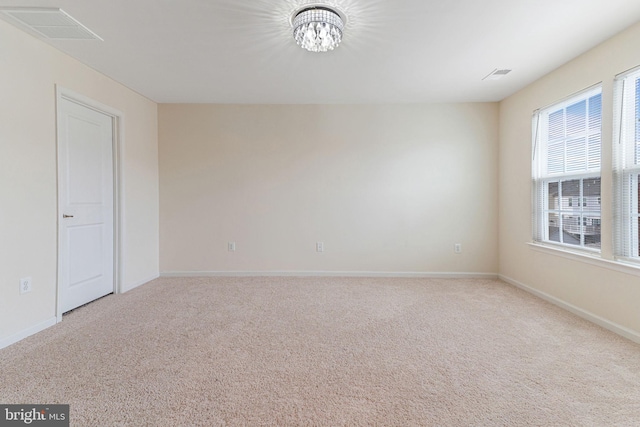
[54,24]
[496,74]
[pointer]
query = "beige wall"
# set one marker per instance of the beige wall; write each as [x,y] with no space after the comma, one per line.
[386,188]
[596,289]
[29,71]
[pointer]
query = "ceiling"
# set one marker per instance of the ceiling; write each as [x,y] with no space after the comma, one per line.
[393,51]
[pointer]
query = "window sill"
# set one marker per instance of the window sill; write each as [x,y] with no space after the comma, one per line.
[630,267]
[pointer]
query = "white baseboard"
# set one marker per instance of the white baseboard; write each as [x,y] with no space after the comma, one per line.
[594,318]
[138,283]
[12,339]
[437,275]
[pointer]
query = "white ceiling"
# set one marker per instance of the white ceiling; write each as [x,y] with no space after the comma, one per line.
[393,51]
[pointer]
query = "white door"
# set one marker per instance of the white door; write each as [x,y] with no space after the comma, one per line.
[85,200]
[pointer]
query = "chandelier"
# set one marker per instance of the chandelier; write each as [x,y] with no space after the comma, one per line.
[317,28]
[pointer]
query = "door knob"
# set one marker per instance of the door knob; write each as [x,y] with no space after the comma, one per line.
[67,216]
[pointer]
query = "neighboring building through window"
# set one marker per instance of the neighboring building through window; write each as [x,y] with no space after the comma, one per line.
[627,166]
[566,171]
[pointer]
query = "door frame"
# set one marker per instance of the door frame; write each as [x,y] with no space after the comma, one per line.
[117,120]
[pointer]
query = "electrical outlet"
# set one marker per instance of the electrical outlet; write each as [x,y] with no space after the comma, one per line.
[231,246]
[457,248]
[319,246]
[25,285]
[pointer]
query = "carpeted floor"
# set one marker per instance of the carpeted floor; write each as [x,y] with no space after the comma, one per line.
[326,352]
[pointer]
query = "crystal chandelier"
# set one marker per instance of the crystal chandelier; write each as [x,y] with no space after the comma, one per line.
[317,28]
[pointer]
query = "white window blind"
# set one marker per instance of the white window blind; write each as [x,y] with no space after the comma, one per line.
[627,165]
[567,149]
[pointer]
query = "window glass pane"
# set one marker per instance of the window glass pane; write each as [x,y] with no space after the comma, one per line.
[634,202]
[576,118]
[636,190]
[591,230]
[571,229]
[591,193]
[555,158]
[595,129]
[556,125]
[576,155]
[637,124]
[554,227]
[553,196]
[637,236]
[570,195]
[594,148]
[595,113]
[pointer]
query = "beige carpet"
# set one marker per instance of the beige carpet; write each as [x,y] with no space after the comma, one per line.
[327,352]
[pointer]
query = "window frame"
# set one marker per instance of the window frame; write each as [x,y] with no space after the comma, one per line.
[541,177]
[626,166]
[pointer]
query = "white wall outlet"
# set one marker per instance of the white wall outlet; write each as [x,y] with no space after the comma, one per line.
[231,246]
[457,248]
[25,285]
[319,246]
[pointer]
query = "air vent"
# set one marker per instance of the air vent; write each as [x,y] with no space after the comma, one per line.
[496,74]
[53,23]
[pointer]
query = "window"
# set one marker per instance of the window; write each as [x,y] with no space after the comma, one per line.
[566,171]
[627,166]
